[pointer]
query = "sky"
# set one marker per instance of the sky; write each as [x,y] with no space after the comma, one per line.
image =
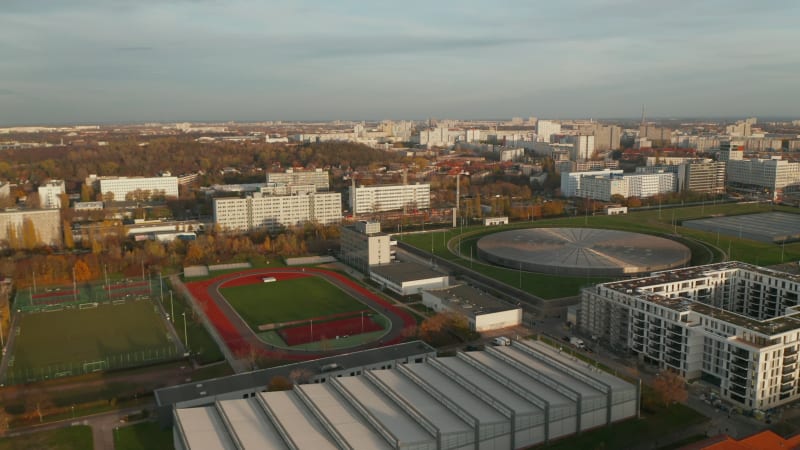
[102,61]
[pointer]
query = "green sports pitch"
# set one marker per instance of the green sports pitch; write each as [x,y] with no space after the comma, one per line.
[297,299]
[92,337]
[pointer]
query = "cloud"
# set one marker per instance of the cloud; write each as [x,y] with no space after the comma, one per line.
[134,49]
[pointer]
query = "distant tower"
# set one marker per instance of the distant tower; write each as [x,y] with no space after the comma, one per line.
[643,114]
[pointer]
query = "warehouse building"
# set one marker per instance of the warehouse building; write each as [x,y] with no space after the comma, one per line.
[735,324]
[503,398]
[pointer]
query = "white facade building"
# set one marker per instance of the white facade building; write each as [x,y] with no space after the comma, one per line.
[275,212]
[763,176]
[45,224]
[571,181]
[406,278]
[363,245]
[733,323]
[582,147]
[545,129]
[371,199]
[50,194]
[318,177]
[482,311]
[650,184]
[123,187]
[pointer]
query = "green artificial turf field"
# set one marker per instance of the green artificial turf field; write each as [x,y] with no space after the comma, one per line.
[289,300]
[75,341]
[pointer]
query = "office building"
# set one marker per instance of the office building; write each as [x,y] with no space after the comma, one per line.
[379,198]
[571,181]
[734,324]
[730,151]
[50,194]
[363,245]
[276,212]
[704,177]
[318,177]
[763,177]
[125,188]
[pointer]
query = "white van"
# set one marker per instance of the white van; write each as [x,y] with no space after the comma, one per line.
[501,341]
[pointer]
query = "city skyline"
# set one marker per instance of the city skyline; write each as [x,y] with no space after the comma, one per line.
[98,61]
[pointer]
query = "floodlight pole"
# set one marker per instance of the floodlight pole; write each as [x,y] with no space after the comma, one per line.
[161,287]
[171,308]
[34,281]
[74,285]
[311,328]
[185,334]
[362,322]
[2,339]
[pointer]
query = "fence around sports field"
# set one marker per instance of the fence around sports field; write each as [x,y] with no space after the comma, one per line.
[54,298]
[68,340]
[111,362]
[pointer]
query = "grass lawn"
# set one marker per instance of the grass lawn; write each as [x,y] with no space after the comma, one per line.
[289,300]
[143,436]
[634,432]
[202,345]
[72,438]
[59,343]
[706,247]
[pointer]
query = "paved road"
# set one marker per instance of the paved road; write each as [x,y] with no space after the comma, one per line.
[249,338]
[103,425]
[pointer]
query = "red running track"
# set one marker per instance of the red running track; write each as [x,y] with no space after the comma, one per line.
[241,340]
[303,334]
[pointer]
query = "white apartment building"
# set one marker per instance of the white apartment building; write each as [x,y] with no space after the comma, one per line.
[46,224]
[650,184]
[733,323]
[50,194]
[123,187]
[582,147]
[5,189]
[571,181]
[317,177]
[601,185]
[371,199]
[763,176]
[603,188]
[545,129]
[275,212]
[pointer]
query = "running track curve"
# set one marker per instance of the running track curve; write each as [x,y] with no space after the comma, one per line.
[240,339]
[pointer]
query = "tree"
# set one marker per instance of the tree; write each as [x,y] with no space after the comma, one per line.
[670,387]
[69,241]
[279,383]
[82,271]
[30,238]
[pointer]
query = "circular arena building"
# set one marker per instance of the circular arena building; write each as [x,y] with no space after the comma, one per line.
[582,251]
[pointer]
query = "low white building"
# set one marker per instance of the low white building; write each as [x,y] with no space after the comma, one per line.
[483,311]
[490,221]
[405,278]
